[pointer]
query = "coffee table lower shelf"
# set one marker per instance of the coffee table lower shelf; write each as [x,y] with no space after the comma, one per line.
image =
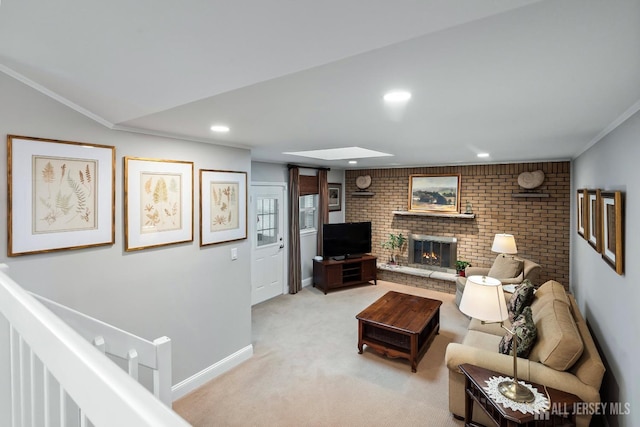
[398,344]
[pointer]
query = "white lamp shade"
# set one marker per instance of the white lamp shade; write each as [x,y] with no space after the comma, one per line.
[483,299]
[504,244]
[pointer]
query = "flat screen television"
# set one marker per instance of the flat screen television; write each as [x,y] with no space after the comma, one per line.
[346,240]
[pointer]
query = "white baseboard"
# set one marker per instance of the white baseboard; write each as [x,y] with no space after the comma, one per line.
[199,379]
[307,282]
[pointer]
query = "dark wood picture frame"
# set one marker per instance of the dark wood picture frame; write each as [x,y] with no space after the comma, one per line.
[593,220]
[335,197]
[612,232]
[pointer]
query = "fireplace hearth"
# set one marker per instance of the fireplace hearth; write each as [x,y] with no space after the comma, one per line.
[433,252]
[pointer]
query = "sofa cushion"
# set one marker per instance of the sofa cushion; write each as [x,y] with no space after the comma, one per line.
[521,298]
[492,328]
[525,329]
[559,344]
[549,291]
[481,340]
[505,267]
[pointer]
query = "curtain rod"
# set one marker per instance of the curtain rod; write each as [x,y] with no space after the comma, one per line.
[290,166]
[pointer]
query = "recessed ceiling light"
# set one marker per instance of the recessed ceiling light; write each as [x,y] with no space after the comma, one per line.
[353,162]
[483,154]
[220,128]
[397,96]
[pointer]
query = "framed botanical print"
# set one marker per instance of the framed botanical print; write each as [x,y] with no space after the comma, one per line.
[223,206]
[335,197]
[434,193]
[60,195]
[580,212]
[592,219]
[158,202]
[612,229]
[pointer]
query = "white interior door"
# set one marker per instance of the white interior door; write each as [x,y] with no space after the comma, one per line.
[268,242]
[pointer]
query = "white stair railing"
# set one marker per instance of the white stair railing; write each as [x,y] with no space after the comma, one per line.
[57,377]
[116,342]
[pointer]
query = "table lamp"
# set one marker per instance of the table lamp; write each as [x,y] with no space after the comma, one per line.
[483,299]
[504,244]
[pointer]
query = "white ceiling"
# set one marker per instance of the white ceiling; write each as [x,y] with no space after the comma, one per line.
[524,80]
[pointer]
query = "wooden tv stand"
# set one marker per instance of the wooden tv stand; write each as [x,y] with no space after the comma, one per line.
[331,274]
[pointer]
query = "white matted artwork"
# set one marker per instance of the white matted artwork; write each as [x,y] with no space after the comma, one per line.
[593,226]
[223,206]
[158,202]
[612,229]
[61,195]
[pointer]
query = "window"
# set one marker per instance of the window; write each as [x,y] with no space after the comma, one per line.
[308,212]
[267,227]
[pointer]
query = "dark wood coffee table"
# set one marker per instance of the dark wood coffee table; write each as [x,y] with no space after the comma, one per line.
[399,325]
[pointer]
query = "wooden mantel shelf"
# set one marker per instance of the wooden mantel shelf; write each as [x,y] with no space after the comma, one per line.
[530,194]
[435,214]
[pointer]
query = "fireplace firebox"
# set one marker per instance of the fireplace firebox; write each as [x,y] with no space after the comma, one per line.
[433,252]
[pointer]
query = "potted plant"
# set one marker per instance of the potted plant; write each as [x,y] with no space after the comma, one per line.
[460,266]
[395,242]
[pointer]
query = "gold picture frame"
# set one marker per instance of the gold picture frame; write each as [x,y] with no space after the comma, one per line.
[158,202]
[593,220]
[223,206]
[434,193]
[581,197]
[61,195]
[612,232]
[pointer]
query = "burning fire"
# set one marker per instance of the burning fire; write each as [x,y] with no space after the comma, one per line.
[432,256]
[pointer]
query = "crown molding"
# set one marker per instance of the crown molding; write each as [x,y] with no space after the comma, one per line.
[57,97]
[180,137]
[606,131]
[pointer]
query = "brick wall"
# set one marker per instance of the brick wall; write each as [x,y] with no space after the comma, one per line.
[540,225]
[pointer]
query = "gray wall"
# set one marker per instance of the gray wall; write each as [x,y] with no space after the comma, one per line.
[609,301]
[269,172]
[196,296]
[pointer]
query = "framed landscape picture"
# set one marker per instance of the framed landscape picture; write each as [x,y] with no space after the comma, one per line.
[612,229]
[158,202]
[61,195]
[593,223]
[335,197]
[223,206]
[434,193]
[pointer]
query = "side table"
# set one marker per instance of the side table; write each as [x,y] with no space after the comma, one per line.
[475,381]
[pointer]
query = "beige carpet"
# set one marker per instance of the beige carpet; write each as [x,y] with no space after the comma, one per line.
[306,370]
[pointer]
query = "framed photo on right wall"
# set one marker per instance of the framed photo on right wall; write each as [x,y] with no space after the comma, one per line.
[612,229]
[580,212]
[593,220]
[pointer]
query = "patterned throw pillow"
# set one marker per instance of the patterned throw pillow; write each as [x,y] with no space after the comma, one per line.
[525,329]
[521,298]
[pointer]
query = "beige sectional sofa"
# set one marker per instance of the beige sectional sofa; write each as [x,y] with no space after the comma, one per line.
[564,355]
